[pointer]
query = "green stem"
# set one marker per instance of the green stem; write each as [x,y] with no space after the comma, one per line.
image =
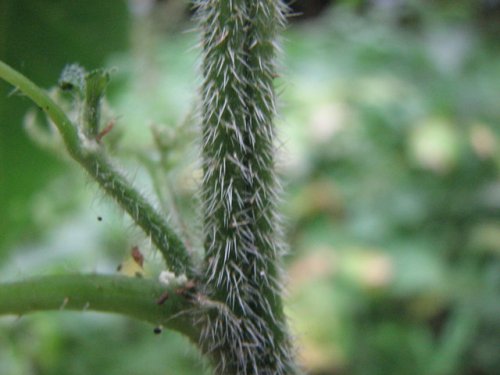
[91,157]
[169,202]
[136,298]
[241,223]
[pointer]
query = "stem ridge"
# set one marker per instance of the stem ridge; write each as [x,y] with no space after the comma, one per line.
[92,158]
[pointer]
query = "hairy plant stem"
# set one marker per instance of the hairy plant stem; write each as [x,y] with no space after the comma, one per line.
[235,308]
[136,298]
[242,234]
[90,155]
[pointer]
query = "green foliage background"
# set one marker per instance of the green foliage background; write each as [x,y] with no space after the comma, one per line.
[391,158]
[39,38]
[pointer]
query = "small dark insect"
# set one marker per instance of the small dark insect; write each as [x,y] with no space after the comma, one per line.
[119,267]
[99,218]
[161,300]
[157,330]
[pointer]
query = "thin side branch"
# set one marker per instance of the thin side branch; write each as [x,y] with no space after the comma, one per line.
[90,156]
[137,298]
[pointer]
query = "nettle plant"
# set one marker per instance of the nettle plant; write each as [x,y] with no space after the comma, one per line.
[230,302]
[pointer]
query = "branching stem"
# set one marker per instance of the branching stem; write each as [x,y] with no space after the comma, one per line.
[90,155]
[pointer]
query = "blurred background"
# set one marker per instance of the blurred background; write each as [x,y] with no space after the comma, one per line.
[390,156]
